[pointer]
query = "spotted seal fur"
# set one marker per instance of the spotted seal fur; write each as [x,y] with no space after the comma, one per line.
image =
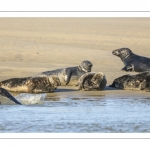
[5,93]
[31,84]
[132,61]
[139,81]
[69,75]
[92,81]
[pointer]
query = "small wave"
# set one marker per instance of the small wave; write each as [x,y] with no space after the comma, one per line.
[28,99]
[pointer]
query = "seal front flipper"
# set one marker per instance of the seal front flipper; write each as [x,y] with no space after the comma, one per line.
[67,73]
[128,67]
[5,93]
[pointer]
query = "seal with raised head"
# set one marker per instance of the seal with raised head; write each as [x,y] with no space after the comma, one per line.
[132,61]
[70,75]
[5,93]
[139,81]
[92,81]
[31,85]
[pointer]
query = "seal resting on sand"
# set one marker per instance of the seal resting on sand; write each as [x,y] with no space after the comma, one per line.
[92,81]
[70,75]
[132,61]
[139,81]
[31,85]
[5,93]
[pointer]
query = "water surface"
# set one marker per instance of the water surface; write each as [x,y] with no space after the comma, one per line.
[77,115]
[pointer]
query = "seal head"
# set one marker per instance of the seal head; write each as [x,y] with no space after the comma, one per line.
[127,58]
[122,53]
[86,66]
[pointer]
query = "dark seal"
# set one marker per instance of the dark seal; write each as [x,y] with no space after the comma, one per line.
[132,61]
[70,75]
[92,81]
[5,93]
[31,85]
[139,81]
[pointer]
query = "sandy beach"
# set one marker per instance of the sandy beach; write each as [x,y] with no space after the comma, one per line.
[33,45]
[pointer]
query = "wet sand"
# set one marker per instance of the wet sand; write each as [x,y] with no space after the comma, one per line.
[33,45]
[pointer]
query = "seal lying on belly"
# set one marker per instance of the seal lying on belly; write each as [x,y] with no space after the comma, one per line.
[31,85]
[92,81]
[132,61]
[139,81]
[5,93]
[70,75]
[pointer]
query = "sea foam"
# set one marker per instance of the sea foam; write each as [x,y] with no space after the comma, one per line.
[28,99]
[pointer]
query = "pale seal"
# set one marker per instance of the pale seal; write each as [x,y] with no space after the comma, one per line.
[5,93]
[139,81]
[31,85]
[70,75]
[132,61]
[92,81]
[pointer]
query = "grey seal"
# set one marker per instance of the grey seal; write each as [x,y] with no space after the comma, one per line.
[139,81]
[5,93]
[92,81]
[132,61]
[31,85]
[69,75]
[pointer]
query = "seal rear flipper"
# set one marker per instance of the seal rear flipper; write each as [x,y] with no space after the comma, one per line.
[5,93]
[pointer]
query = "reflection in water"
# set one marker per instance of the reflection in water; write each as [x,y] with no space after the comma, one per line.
[72,114]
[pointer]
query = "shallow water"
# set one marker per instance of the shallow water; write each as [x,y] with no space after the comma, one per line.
[77,115]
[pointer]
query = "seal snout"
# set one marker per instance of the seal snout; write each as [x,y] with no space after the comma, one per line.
[115,52]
